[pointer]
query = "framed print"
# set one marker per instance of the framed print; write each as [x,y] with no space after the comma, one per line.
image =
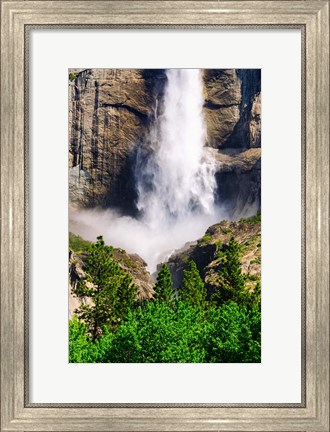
[165,215]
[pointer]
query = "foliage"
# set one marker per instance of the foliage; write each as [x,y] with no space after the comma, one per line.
[159,334]
[108,287]
[234,334]
[82,348]
[230,278]
[163,287]
[206,238]
[77,244]
[256,260]
[193,288]
[252,220]
[110,328]
[72,76]
[227,230]
[256,295]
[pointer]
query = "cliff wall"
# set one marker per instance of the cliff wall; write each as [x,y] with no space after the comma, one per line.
[110,113]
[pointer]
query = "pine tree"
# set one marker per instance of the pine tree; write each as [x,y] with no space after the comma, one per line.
[231,280]
[193,288]
[108,287]
[256,295]
[163,287]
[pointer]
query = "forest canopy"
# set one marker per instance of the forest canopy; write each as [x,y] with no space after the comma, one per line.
[184,324]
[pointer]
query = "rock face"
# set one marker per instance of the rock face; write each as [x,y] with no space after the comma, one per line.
[232,107]
[233,118]
[239,180]
[131,263]
[222,104]
[204,252]
[111,110]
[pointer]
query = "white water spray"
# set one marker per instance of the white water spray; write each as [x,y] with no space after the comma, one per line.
[175,180]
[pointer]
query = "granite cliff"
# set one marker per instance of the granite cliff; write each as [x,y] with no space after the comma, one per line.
[111,111]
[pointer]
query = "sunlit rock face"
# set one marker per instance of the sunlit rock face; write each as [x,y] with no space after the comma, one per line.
[204,252]
[222,105]
[111,112]
[233,116]
[232,107]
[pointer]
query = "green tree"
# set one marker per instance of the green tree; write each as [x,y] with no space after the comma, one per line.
[193,288]
[159,334]
[82,349]
[256,297]
[231,280]
[163,287]
[234,334]
[110,290]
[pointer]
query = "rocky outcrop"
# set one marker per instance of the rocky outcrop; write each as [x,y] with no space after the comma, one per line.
[239,181]
[76,274]
[132,264]
[204,252]
[136,267]
[233,118]
[222,102]
[110,113]
[232,107]
[255,122]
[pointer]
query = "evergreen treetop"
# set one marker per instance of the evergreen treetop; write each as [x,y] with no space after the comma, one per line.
[163,287]
[231,280]
[193,288]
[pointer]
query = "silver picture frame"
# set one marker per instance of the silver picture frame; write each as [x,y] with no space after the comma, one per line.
[17,19]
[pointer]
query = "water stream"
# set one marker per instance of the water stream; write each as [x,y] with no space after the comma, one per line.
[175,179]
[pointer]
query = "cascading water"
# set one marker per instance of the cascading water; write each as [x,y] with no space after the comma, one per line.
[174,176]
[177,178]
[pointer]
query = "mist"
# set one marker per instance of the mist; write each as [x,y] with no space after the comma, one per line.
[154,245]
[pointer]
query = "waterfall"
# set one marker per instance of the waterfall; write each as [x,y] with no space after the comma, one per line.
[175,178]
